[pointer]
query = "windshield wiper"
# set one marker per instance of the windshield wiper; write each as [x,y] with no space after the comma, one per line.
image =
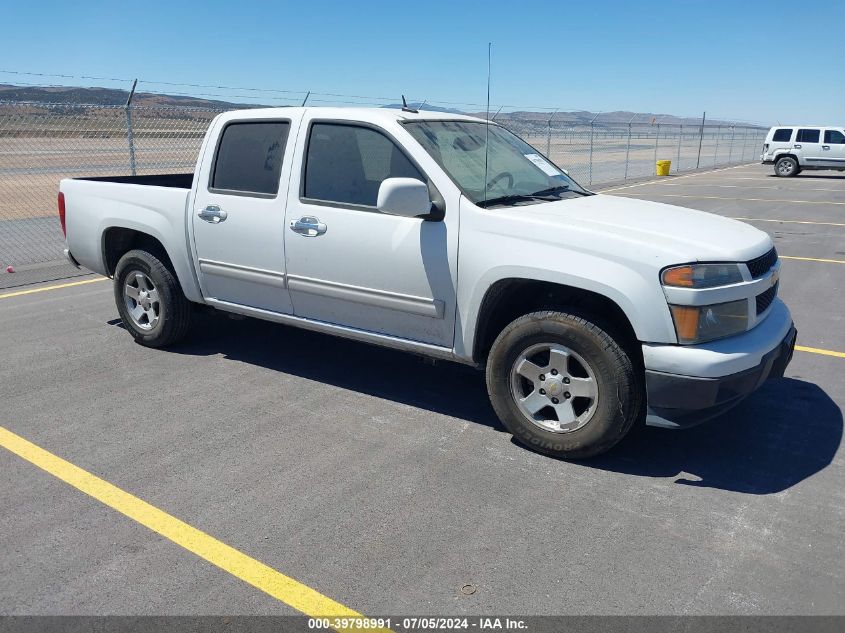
[558,189]
[547,195]
[512,198]
[551,190]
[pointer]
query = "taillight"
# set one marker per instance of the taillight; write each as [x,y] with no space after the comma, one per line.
[62,212]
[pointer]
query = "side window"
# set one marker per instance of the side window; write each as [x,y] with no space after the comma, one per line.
[808,136]
[347,163]
[834,137]
[782,135]
[249,158]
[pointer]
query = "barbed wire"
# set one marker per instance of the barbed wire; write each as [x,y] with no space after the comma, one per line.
[348,99]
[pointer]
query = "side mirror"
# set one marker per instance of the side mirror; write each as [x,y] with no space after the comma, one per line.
[407,197]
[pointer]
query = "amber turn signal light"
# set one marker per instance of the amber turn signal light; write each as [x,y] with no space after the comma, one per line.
[686,322]
[681,276]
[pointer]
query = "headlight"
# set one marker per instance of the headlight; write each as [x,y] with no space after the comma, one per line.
[702,275]
[699,324]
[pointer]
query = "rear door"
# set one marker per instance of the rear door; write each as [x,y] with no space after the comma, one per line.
[833,148]
[238,214]
[808,146]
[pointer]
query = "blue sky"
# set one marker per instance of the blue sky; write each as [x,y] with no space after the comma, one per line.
[761,61]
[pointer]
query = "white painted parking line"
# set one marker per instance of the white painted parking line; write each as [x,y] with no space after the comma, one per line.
[832,180]
[674,178]
[790,221]
[705,184]
[681,195]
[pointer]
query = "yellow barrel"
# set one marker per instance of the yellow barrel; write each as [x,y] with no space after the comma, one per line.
[663,167]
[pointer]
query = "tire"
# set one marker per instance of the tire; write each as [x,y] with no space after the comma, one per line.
[579,351]
[150,300]
[786,167]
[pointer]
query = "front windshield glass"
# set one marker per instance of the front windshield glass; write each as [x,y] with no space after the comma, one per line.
[516,173]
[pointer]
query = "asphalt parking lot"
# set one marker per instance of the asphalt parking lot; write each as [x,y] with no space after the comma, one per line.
[387,484]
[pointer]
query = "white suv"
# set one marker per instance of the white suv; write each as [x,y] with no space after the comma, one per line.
[793,149]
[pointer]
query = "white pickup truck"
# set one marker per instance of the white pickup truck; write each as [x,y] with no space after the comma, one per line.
[451,238]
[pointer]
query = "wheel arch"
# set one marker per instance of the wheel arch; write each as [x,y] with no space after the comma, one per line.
[508,299]
[788,155]
[117,240]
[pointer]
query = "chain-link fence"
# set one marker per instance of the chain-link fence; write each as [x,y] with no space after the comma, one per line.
[41,143]
[599,153]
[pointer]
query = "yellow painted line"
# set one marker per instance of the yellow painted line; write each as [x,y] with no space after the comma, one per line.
[679,195]
[816,350]
[20,293]
[790,221]
[813,259]
[291,592]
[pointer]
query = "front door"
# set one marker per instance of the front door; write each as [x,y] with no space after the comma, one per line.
[352,266]
[238,216]
[833,149]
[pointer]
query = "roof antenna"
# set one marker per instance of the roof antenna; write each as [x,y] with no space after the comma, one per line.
[406,107]
[487,122]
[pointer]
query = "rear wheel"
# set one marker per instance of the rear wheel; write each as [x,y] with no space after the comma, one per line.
[563,385]
[150,300]
[786,167]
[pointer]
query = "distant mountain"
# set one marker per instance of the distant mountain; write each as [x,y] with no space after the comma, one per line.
[582,117]
[112,97]
[106,97]
[426,107]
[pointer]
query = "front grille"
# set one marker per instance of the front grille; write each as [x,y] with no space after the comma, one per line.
[764,299]
[759,266]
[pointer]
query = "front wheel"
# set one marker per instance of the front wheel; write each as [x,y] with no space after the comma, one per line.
[150,300]
[562,385]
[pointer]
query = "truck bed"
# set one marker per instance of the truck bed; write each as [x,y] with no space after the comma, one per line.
[155,205]
[175,181]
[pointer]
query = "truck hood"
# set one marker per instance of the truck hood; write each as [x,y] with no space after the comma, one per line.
[648,230]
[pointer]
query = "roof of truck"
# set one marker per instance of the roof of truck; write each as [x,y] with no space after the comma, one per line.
[366,114]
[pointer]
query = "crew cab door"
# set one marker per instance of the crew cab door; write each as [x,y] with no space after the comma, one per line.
[350,265]
[808,146]
[238,214]
[833,149]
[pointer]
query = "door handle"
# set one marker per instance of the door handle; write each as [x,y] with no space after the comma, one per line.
[825,146]
[797,146]
[213,214]
[308,226]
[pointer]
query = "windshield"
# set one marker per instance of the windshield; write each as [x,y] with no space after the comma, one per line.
[516,173]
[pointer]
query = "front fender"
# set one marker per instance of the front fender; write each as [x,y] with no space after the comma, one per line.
[487,258]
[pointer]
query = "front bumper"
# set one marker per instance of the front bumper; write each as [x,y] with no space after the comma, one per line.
[679,399]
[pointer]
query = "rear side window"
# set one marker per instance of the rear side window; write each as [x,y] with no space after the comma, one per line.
[249,158]
[834,137]
[808,136]
[347,163]
[782,135]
